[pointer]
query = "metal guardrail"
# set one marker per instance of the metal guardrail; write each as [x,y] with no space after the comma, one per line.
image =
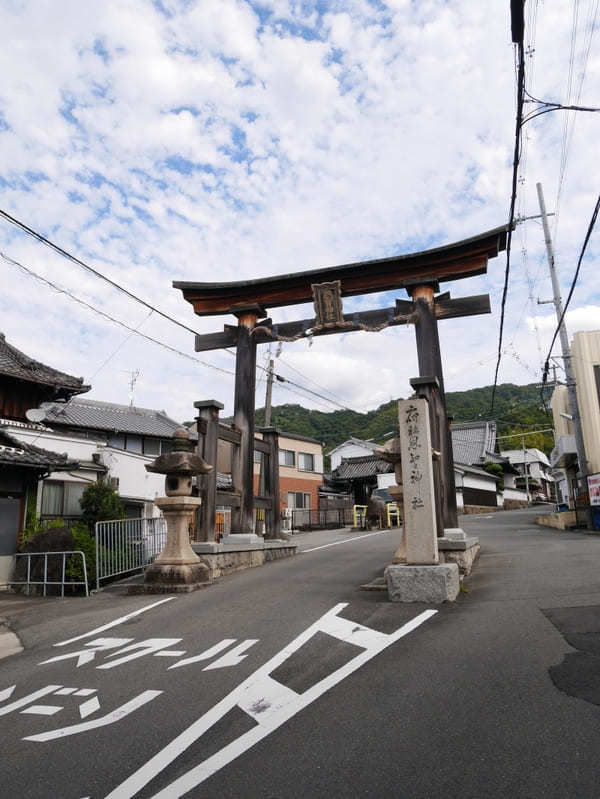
[331,518]
[46,582]
[127,545]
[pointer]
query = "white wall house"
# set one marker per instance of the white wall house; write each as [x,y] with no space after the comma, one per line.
[105,439]
[478,483]
[351,448]
[534,464]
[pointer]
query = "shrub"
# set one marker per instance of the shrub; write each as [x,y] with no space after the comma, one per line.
[82,540]
[100,503]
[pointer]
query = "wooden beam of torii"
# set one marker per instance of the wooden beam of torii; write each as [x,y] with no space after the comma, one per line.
[418,273]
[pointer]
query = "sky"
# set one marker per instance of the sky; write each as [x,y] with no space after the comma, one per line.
[227,140]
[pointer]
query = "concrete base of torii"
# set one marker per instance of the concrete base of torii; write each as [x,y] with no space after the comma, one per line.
[177,569]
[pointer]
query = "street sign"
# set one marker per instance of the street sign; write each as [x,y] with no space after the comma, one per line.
[594,488]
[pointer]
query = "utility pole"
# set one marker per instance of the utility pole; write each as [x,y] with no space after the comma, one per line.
[566,351]
[270,375]
[525,469]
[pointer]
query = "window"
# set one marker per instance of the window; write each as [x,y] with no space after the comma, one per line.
[258,456]
[134,444]
[166,445]
[151,446]
[62,499]
[306,462]
[117,441]
[298,500]
[287,457]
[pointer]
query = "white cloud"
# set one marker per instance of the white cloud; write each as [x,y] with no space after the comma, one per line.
[311,140]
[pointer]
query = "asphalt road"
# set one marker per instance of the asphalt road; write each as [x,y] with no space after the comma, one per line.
[494,695]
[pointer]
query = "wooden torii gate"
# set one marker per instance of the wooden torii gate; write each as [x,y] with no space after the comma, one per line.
[418,273]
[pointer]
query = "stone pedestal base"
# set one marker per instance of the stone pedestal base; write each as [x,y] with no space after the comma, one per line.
[454,534]
[433,584]
[163,578]
[464,552]
[242,538]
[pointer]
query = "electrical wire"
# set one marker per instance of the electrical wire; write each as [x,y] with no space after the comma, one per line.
[571,290]
[38,236]
[282,379]
[136,331]
[513,199]
[106,316]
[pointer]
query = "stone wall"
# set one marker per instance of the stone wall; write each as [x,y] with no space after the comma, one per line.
[514,504]
[469,509]
[560,521]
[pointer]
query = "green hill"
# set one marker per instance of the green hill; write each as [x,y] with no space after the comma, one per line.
[517,408]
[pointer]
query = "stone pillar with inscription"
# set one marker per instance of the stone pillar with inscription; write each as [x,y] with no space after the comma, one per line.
[420,523]
[422,578]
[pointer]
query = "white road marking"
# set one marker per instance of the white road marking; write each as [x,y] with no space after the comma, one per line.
[86,691]
[115,622]
[170,653]
[207,654]
[65,692]
[7,692]
[344,541]
[234,656]
[43,710]
[87,708]
[148,647]
[19,703]
[267,701]
[110,718]
[86,655]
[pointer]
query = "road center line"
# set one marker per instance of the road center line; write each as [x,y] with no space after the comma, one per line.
[344,541]
[115,622]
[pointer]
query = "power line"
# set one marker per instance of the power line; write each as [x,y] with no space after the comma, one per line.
[135,331]
[282,379]
[513,199]
[571,290]
[112,319]
[38,236]
[306,377]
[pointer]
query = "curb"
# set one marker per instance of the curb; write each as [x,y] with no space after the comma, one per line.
[9,641]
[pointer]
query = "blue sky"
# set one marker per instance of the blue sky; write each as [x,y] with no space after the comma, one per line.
[227,140]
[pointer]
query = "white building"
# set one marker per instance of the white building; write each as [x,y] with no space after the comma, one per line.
[351,448]
[534,470]
[104,439]
[585,355]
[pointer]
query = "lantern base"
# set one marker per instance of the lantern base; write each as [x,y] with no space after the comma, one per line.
[173,579]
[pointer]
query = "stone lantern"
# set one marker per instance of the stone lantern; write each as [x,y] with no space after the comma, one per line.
[177,568]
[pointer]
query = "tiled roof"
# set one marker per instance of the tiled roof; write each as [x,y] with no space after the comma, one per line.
[95,415]
[474,443]
[16,453]
[361,467]
[14,363]
[533,455]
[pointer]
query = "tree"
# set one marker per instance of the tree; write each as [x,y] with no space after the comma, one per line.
[496,470]
[100,503]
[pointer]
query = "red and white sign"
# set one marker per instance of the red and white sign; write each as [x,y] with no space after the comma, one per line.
[594,488]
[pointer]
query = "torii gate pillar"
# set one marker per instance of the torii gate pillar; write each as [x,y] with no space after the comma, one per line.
[243,417]
[430,365]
